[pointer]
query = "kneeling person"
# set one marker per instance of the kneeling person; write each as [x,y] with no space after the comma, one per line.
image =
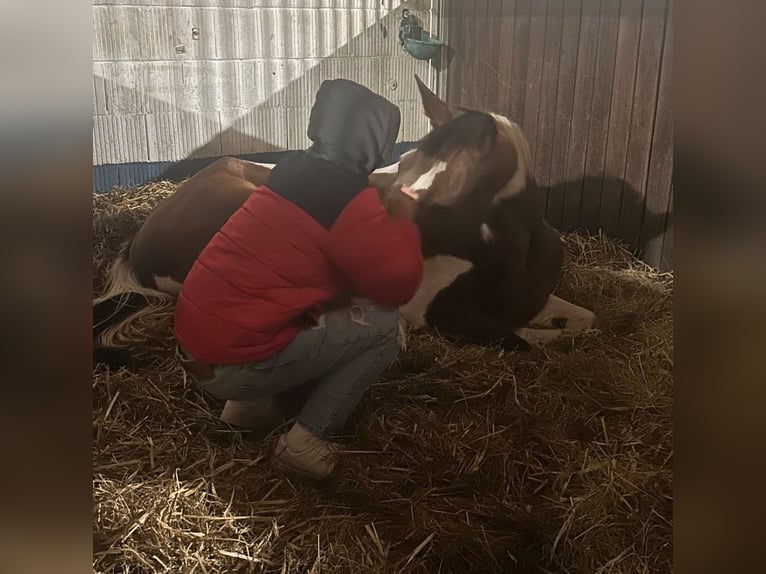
[251,318]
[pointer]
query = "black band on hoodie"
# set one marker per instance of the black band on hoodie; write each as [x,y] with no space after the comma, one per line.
[317,186]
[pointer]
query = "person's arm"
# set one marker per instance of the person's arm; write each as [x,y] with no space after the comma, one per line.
[378,254]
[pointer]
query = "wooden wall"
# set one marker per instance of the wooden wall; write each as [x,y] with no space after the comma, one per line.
[589,82]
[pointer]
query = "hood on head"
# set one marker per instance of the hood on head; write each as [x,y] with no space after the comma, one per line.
[352,127]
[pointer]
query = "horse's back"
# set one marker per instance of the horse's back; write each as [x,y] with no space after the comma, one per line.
[168,242]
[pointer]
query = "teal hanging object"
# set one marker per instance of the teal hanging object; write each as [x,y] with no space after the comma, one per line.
[417,42]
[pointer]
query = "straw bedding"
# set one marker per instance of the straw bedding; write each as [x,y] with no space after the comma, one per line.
[461,459]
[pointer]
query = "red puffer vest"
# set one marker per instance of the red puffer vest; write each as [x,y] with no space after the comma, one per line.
[272,262]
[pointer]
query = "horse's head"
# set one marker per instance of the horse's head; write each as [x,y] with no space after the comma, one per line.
[462,170]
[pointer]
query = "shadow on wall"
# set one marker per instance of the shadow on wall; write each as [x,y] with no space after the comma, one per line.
[641,229]
[283,117]
[279,120]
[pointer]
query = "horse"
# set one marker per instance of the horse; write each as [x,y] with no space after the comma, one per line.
[491,259]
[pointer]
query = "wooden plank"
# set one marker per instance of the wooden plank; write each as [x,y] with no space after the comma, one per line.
[660,172]
[505,50]
[644,105]
[520,60]
[599,124]
[620,116]
[480,72]
[443,63]
[666,260]
[563,111]
[457,30]
[494,73]
[468,91]
[536,56]
[547,111]
[583,101]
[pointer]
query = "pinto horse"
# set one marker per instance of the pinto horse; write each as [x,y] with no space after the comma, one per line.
[491,259]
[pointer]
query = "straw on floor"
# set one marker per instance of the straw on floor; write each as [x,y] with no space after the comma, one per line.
[461,459]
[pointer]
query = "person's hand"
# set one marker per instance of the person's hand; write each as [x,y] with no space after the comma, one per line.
[403,204]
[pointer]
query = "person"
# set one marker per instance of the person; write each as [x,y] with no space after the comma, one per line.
[254,320]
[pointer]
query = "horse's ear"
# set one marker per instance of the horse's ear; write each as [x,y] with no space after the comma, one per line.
[437,110]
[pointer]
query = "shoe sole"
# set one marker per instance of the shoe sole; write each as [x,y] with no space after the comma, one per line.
[300,472]
[296,470]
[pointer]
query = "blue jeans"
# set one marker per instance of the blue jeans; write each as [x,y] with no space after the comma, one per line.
[339,358]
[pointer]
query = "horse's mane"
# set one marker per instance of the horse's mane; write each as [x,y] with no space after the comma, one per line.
[471,129]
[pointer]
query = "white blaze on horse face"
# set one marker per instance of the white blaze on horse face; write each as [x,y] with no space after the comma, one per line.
[519,180]
[562,315]
[426,180]
[439,272]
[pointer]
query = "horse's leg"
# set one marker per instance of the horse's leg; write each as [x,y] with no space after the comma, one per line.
[560,314]
[113,357]
[538,337]
[457,312]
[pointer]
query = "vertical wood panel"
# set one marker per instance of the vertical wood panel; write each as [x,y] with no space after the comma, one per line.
[457,64]
[504,63]
[621,115]
[534,72]
[660,172]
[497,74]
[599,124]
[666,259]
[546,110]
[563,110]
[582,78]
[520,62]
[457,33]
[480,55]
[581,114]
[468,47]
[642,125]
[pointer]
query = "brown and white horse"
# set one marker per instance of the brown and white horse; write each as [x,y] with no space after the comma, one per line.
[492,260]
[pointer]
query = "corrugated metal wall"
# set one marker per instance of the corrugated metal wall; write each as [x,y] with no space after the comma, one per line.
[589,82]
[179,79]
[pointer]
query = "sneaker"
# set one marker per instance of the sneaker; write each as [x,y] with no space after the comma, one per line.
[263,414]
[302,451]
